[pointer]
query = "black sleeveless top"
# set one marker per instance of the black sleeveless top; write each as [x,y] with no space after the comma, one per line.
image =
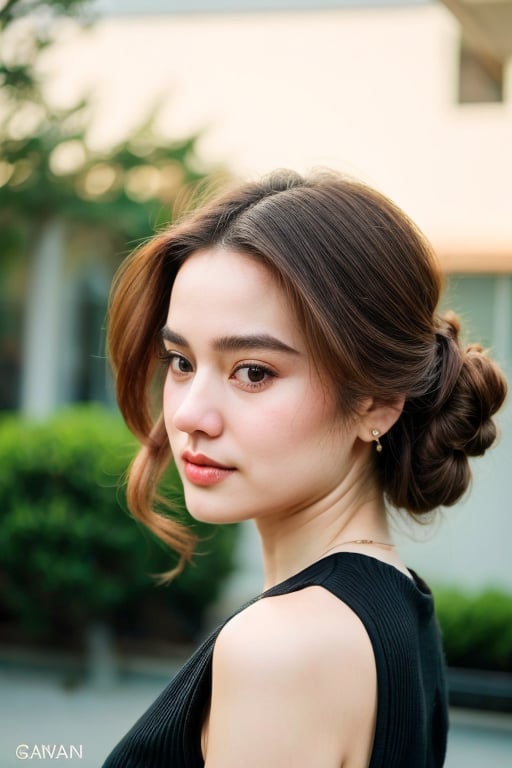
[398,614]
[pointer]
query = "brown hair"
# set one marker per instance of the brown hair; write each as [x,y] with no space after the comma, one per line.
[365,286]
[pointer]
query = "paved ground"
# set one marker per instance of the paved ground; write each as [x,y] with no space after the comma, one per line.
[37,709]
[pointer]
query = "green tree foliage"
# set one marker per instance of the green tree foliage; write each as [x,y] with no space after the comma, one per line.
[47,168]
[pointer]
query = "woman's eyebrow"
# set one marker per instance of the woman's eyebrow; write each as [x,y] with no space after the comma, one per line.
[252,341]
[175,338]
[235,343]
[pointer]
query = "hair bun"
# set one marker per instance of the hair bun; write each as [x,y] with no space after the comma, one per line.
[450,423]
[471,388]
[479,393]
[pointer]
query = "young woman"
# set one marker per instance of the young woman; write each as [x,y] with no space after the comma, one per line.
[309,385]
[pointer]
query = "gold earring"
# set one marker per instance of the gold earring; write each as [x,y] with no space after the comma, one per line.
[378,447]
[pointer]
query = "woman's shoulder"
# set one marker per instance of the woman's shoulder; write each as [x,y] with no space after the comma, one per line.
[304,620]
[303,662]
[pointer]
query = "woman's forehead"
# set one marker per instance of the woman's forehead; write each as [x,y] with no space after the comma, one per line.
[231,291]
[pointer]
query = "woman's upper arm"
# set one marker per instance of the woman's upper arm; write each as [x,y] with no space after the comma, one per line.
[283,697]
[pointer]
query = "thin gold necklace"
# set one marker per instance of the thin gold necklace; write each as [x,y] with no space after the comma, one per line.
[362,541]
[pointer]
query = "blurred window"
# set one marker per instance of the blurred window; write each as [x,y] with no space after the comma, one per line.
[91,376]
[12,282]
[484,304]
[480,76]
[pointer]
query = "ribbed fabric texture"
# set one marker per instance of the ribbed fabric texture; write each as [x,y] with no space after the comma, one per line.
[398,615]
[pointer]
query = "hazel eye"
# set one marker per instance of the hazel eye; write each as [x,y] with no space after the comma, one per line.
[179,364]
[253,377]
[255,374]
[176,363]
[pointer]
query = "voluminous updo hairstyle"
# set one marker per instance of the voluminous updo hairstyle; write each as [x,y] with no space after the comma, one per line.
[365,285]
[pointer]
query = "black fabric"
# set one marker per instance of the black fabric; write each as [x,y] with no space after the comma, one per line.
[398,614]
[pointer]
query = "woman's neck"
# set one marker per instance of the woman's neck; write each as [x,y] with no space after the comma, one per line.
[293,542]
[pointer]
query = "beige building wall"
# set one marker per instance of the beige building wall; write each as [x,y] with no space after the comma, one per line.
[371,92]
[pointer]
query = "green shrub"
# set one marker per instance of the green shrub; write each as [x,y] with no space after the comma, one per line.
[70,553]
[477,629]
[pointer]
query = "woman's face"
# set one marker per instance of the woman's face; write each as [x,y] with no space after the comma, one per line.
[252,425]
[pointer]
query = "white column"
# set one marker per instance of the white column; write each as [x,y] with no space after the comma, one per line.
[41,344]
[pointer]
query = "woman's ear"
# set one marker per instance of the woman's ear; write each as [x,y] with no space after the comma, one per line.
[376,418]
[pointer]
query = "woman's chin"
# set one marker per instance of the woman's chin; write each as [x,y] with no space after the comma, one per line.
[204,511]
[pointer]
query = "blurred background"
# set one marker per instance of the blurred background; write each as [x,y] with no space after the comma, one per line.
[112,116]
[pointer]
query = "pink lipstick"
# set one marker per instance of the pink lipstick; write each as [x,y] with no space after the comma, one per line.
[201,470]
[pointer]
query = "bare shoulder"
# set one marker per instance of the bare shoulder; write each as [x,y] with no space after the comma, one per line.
[301,623]
[300,669]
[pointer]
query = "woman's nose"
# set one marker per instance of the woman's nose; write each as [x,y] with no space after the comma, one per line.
[199,408]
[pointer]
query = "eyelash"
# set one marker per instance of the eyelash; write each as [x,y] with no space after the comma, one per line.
[169,358]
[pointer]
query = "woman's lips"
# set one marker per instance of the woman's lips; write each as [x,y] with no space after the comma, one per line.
[201,470]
